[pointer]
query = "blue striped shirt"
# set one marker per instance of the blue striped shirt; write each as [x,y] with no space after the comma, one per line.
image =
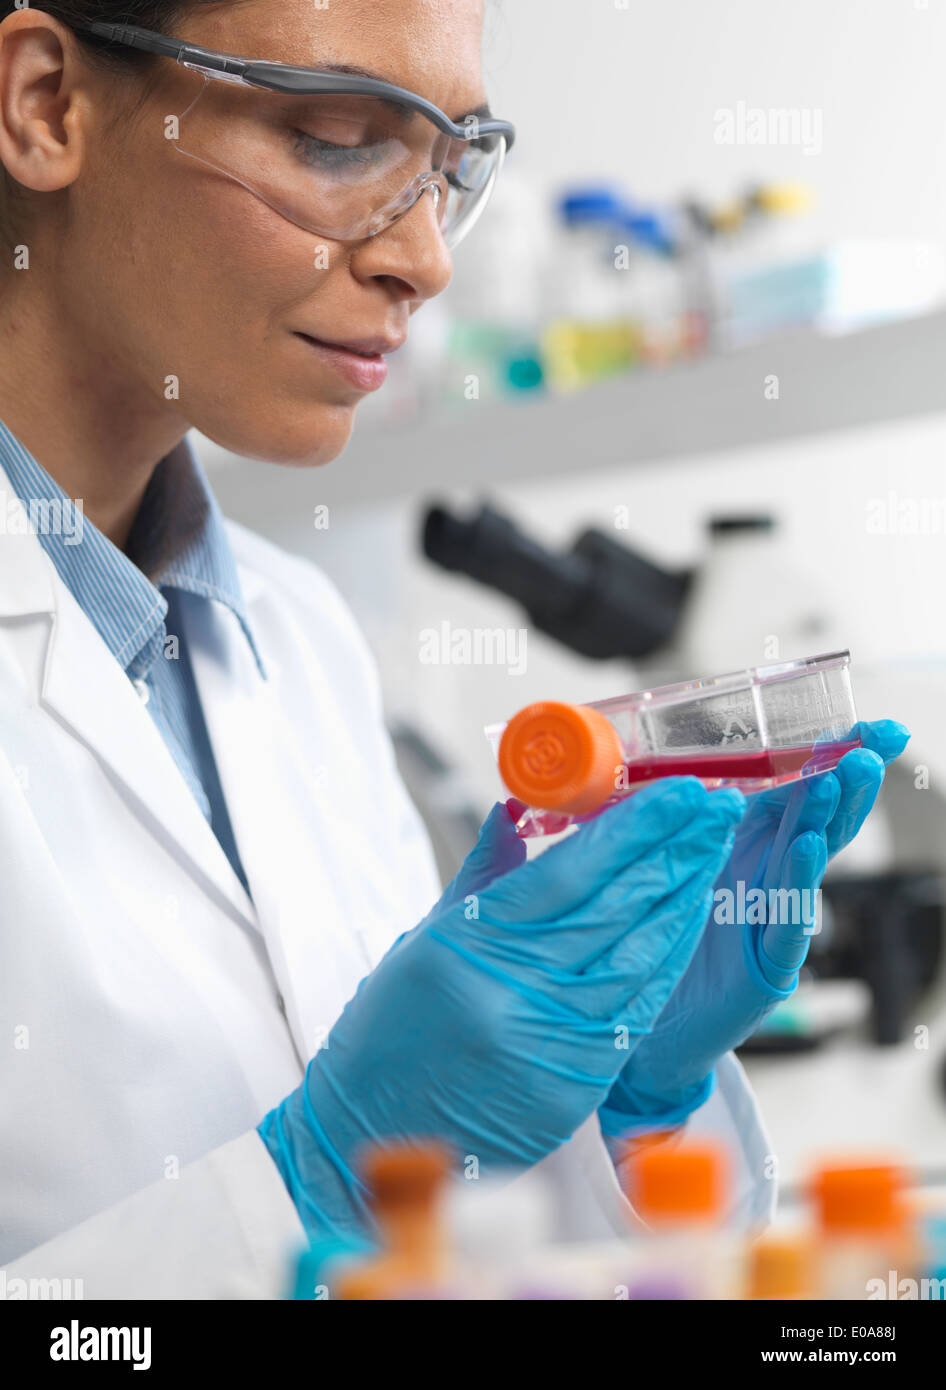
[177,544]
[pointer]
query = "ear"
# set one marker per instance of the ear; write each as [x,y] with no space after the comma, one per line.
[42,101]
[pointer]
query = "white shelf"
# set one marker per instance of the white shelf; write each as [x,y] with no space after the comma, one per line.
[716,404]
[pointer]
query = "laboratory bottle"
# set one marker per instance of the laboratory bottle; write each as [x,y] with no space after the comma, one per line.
[587,335]
[406,1182]
[866,1238]
[680,1191]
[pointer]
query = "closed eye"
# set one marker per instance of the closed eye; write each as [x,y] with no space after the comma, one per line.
[333,156]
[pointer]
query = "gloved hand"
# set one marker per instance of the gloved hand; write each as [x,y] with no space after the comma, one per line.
[748,959]
[499,1024]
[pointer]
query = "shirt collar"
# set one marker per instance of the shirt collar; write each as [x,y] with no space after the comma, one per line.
[179,537]
[178,540]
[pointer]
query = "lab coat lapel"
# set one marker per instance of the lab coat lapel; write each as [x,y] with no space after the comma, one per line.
[283,827]
[86,689]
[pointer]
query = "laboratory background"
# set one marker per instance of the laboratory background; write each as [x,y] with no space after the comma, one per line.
[683,411]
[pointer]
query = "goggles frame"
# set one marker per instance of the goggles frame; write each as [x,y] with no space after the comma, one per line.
[291,80]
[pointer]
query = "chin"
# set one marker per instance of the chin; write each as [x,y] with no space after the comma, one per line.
[316,437]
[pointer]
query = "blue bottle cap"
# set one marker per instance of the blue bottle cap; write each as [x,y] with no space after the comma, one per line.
[582,206]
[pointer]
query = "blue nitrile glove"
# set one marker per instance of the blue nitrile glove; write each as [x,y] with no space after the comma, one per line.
[750,955]
[499,1024]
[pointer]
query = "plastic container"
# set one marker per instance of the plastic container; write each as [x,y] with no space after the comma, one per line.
[867,1240]
[407,1183]
[681,1193]
[758,728]
[587,336]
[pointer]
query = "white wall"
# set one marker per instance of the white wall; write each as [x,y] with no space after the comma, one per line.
[597,89]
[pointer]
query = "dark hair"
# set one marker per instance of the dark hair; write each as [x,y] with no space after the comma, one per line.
[159,15]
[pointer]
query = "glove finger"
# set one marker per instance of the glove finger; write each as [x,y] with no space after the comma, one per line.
[497,850]
[784,943]
[571,872]
[860,775]
[813,802]
[886,737]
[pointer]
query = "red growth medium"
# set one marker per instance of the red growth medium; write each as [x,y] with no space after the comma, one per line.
[750,771]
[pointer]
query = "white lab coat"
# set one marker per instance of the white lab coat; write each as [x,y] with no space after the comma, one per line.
[152,1014]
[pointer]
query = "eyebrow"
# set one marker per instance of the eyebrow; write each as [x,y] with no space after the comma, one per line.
[483,112]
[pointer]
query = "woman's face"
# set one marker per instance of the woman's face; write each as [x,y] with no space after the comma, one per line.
[177,271]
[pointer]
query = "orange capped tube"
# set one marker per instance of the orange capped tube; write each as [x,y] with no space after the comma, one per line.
[860,1197]
[406,1182]
[681,1190]
[560,757]
[688,1182]
[867,1233]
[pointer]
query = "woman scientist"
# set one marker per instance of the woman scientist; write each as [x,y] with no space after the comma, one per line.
[223,216]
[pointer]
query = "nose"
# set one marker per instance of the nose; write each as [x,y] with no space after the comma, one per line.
[410,256]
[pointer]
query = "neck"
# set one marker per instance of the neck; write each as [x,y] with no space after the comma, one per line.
[96,430]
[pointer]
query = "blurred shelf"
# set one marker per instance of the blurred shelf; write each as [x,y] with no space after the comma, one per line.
[826,383]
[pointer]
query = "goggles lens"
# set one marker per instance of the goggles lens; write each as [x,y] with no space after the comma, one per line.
[341,166]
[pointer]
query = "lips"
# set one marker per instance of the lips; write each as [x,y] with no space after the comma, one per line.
[361,347]
[360,362]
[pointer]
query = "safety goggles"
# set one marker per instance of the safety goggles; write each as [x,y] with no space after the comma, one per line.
[341,155]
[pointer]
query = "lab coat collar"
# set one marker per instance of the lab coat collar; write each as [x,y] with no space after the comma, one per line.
[178,540]
[26,572]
